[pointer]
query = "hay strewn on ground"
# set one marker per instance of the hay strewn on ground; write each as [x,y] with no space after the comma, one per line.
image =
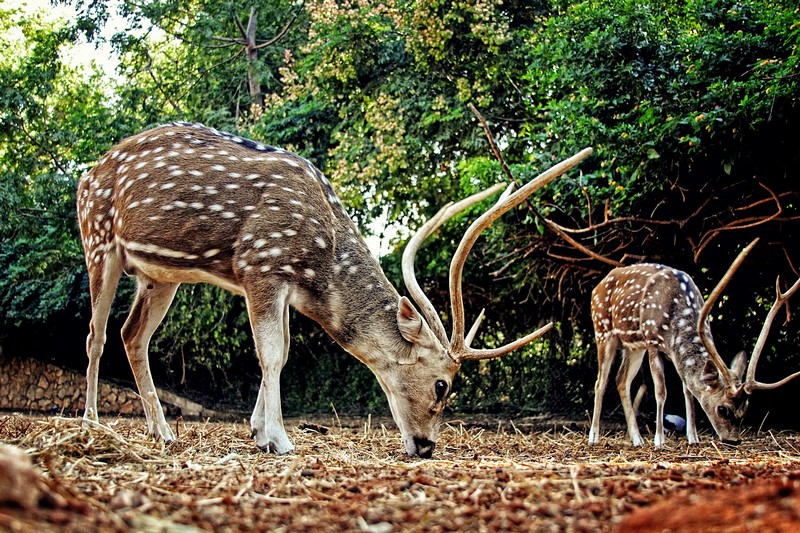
[354,476]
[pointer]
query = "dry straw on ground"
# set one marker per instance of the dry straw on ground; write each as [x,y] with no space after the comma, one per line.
[353,476]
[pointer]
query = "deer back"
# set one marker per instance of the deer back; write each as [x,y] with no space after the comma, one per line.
[649,305]
[187,203]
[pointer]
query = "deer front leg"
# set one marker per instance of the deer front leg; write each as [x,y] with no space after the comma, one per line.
[660,389]
[691,429]
[149,307]
[631,362]
[271,334]
[605,358]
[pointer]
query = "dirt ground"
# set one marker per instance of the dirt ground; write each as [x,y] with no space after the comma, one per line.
[352,475]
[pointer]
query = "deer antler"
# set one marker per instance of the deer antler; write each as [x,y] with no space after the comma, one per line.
[459,343]
[458,348]
[474,329]
[750,382]
[712,299]
[410,253]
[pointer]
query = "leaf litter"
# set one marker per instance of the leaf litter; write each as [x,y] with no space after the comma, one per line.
[352,475]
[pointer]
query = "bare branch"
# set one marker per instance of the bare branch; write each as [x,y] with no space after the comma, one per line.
[744,223]
[46,150]
[240,26]
[284,31]
[552,225]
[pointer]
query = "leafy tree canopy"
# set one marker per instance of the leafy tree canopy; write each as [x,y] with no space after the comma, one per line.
[691,107]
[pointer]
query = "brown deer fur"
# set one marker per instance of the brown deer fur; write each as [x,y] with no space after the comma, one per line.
[184,203]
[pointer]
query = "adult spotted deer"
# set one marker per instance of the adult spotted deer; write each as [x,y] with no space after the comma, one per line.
[655,309]
[184,203]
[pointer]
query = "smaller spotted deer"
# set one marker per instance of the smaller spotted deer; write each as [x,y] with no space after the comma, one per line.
[183,203]
[655,309]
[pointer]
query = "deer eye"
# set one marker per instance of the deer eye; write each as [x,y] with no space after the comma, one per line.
[724,412]
[440,387]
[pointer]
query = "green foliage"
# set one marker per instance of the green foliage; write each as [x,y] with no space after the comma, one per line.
[652,84]
[52,121]
[692,108]
[204,333]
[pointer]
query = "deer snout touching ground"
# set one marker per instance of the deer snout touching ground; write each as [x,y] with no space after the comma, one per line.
[424,447]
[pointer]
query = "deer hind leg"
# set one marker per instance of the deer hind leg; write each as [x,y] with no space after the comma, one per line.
[691,429]
[103,280]
[149,307]
[660,390]
[271,334]
[606,351]
[628,368]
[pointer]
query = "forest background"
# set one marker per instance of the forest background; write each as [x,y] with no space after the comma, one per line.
[691,106]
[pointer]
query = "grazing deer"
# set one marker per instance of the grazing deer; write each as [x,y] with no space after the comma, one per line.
[659,310]
[184,203]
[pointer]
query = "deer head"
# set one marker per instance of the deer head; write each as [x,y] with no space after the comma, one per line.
[725,397]
[435,357]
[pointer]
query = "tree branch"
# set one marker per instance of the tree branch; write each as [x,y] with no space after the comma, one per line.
[284,31]
[46,150]
[552,225]
[745,223]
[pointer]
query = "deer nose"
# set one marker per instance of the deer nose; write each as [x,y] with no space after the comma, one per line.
[734,442]
[424,447]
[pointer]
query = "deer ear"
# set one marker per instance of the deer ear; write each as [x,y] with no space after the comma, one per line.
[739,364]
[710,375]
[412,326]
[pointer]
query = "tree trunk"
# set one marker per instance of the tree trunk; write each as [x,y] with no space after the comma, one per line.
[256,98]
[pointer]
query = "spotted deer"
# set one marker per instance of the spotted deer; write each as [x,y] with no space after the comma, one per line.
[655,309]
[184,203]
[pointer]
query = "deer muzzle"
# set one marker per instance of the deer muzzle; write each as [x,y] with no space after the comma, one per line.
[422,447]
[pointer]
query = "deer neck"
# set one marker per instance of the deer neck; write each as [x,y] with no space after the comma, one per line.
[354,301]
[690,360]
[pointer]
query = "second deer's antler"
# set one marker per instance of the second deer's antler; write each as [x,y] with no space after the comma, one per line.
[712,299]
[750,383]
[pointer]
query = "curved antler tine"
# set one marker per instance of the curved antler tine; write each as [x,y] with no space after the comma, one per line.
[410,278]
[472,354]
[474,329]
[709,304]
[410,253]
[468,240]
[750,383]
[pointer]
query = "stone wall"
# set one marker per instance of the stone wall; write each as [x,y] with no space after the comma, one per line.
[32,385]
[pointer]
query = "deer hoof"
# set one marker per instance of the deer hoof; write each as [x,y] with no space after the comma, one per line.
[157,436]
[271,447]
